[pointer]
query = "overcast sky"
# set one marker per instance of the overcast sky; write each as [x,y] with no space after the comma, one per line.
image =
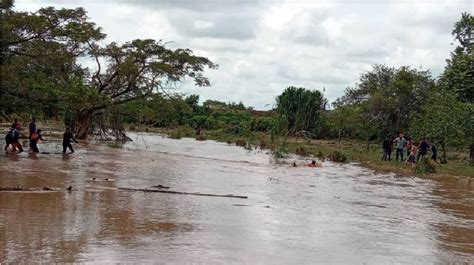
[264,46]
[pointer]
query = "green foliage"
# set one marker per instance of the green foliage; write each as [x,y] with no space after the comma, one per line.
[201,138]
[262,124]
[345,120]
[337,156]
[458,75]
[320,155]
[463,31]
[388,97]
[424,166]
[444,120]
[38,58]
[302,109]
[203,122]
[279,136]
[301,150]
[115,144]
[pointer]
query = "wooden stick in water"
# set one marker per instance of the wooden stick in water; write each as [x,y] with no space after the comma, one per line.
[187,193]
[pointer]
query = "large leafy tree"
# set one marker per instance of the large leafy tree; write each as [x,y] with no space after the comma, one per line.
[301,109]
[40,69]
[389,97]
[134,70]
[38,56]
[458,75]
[444,120]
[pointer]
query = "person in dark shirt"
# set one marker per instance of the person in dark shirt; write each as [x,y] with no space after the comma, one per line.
[434,153]
[32,127]
[10,134]
[387,149]
[422,148]
[67,138]
[34,138]
[15,138]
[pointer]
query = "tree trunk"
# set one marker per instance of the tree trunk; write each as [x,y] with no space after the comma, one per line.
[83,123]
[339,139]
[471,154]
[444,158]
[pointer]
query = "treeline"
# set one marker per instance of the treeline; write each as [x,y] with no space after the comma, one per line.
[174,110]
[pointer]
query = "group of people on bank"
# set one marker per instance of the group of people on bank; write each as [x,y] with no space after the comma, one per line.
[414,150]
[12,138]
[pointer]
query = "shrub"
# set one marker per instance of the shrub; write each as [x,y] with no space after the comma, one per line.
[241,142]
[201,137]
[175,134]
[263,143]
[262,124]
[301,150]
[424,166]
[320,155]
[337,156]
[115,144]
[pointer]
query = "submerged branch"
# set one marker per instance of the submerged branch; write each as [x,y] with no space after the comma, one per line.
[187,193]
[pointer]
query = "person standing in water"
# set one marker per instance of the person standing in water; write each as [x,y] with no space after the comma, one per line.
[67,139]
[32,127]
[15,138]
[34,138]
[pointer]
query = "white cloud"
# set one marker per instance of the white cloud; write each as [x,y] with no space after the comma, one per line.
[264,46]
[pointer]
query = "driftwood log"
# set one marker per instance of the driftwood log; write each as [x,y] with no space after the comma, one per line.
[26,189]
[187,193]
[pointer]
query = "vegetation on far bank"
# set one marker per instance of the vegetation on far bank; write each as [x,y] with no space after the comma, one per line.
[353,150]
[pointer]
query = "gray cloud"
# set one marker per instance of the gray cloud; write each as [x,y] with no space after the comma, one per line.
[220,26]
[264,46]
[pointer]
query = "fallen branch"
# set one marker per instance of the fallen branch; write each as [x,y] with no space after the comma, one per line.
[19,189]
[160,187]
[186,193]
[25,189]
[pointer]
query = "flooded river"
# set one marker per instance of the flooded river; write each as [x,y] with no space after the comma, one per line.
[340,213]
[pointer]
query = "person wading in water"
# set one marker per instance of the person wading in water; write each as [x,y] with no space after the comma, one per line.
[34,138]
[67,139]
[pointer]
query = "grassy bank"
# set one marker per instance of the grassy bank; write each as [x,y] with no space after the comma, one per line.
[368,156]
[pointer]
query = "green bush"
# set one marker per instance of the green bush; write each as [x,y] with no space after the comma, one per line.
[175,134]
[115,144]
[320,155]
[241,142]
[337,156]
[262,124]
[201,137]
[424,166]
[301,150]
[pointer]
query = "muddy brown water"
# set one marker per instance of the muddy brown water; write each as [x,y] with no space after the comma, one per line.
[340,213]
